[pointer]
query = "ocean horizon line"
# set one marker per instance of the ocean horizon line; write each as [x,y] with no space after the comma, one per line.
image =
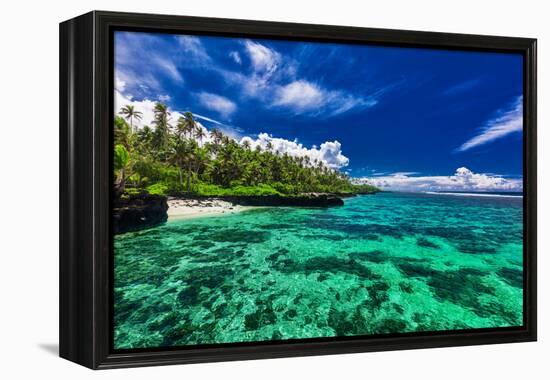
[503,194]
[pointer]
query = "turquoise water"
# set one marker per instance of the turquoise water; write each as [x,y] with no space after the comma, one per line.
[385,263]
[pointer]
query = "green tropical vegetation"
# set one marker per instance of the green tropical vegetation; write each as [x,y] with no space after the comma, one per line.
[176,157]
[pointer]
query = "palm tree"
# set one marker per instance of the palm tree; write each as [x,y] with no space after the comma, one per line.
[246,144]
[130,113]
[181,126]
[269,146]
[199,133]
[144,137]
[226,141]
[217,135]
[189,124]
[201,159]
[144,134]
[191,147]
[162,116]
[180,155]
[122,132]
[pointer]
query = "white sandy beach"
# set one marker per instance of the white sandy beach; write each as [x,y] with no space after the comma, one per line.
[194,208]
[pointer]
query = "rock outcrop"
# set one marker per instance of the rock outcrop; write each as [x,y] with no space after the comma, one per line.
[137,212]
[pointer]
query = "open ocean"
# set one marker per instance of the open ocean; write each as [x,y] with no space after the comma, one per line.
[384,263]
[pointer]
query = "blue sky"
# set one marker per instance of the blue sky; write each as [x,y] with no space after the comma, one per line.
[385,113]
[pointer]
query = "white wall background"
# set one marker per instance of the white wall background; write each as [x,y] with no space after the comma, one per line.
[29,187]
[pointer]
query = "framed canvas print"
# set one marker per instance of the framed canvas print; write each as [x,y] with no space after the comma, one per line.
[238,189]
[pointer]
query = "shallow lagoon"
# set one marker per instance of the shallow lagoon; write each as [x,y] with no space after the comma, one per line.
[388,263]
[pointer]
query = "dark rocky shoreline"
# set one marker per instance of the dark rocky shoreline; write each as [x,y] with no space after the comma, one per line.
[137,212]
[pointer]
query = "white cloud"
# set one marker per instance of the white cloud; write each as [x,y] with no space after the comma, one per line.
[145,106]
[140,59]
[164,98]
[220,104]
[142,83]
[462,87]
[330,152]
[236,57]
[120,85]
[234,132]
[206,118]
[273,80]
[507,121]
[168,67]
[462,180]
[263,58]
[264,65]
[194,48]
[300,95]
[305,97]
[404,173]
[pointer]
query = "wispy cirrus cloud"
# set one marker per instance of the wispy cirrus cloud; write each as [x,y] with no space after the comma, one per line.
[142,61]
[193,48]
[236,57]
[147,63]
[169,67]
[306,97]
[264,60]
[462,87]
[273,79]
[508,120]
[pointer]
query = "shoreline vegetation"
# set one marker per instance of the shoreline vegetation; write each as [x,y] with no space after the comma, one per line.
[181,169]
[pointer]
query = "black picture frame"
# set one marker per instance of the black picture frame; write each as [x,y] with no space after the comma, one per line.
[86,112]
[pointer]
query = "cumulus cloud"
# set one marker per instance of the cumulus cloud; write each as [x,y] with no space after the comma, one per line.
[301,95]
[218,103]
[507,121]
[120,85]
[144,106]
[462,180]
[330,152]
